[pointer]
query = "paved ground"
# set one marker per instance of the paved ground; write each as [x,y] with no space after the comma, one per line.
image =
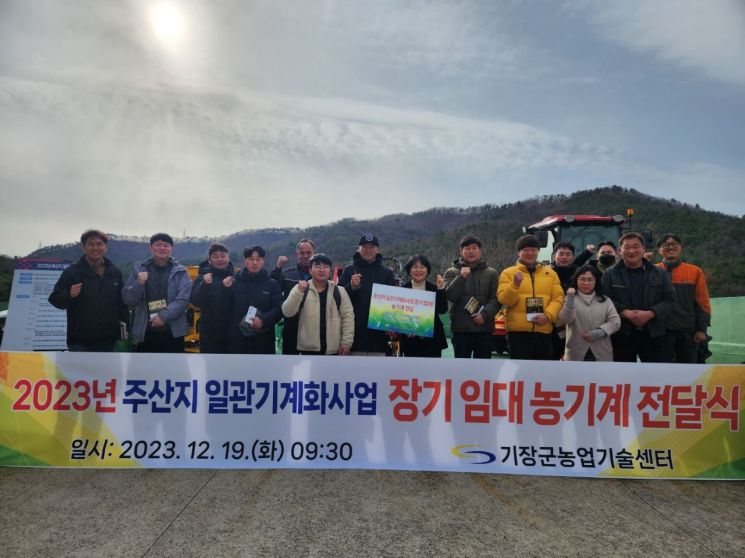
[362,513]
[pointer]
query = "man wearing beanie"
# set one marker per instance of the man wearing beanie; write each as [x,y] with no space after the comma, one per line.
[471,287]
[158,290]
[533,297]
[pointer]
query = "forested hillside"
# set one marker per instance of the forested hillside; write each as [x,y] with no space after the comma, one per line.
[712,240]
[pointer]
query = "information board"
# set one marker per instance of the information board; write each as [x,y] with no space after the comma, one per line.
[32,323]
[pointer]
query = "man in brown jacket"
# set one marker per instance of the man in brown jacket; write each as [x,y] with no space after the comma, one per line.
[471,288]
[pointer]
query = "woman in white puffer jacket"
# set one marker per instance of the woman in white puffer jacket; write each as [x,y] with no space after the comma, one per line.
[590,317]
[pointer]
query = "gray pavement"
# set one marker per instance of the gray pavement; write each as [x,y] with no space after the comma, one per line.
[66,512]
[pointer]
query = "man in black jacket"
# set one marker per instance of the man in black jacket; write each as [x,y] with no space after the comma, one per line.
[91,292]
[256,308]
[287,279]
[358,278]
[644,297]
[564,266]
[212,293]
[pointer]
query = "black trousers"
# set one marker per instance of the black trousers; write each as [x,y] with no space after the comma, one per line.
[472,344]
[420,347]
[161,342]
[107,346]
[528,345]
[680,344]
[213,342]
[289,336]
[259,344]
[640,344]
[559,343]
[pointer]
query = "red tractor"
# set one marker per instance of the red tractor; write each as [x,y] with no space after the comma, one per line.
[580,230]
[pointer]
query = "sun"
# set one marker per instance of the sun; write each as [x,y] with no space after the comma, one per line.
[167,22]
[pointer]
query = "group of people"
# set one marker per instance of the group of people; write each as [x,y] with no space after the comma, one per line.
[615,306]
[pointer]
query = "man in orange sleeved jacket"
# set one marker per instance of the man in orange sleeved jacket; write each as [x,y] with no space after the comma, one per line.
[691,316]
[533,297]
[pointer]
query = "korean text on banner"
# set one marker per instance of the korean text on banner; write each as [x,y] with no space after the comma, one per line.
[242,411]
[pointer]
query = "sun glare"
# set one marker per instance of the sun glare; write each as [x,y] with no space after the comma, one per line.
[167,22]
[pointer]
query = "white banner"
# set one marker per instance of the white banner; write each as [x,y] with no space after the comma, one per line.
[498,416]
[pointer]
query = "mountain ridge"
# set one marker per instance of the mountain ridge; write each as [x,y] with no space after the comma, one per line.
[435,232]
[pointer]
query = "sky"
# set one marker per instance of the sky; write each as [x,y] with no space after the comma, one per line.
[207,117]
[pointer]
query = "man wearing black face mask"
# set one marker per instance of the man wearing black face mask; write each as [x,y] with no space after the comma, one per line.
[606,256]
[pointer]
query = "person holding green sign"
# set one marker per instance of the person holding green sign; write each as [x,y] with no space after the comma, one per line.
[418,267]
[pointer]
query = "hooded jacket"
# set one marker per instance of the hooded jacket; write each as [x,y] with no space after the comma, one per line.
[481,284]
[177,297]
[94,315]
[368,340]
[542,283]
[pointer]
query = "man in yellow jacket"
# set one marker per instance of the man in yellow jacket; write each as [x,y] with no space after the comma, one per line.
[532,296]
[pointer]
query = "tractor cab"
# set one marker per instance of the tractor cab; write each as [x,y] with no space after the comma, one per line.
[579,230]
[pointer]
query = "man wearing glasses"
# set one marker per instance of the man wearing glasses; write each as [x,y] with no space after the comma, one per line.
[691,316]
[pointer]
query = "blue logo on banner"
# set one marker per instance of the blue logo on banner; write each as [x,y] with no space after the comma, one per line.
[473,454]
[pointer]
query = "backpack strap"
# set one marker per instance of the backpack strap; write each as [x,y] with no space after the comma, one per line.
[334,292]
[337,297]
[302,302]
